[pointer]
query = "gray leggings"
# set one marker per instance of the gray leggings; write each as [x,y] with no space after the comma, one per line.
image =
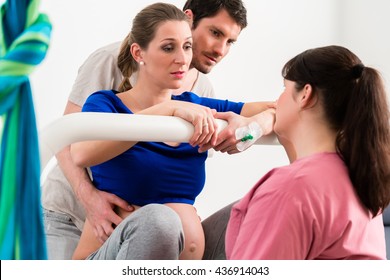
[158,223]
[159,236]
[214,228]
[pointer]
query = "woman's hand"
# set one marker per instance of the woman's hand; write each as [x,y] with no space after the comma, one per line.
[205,126]
[226,141]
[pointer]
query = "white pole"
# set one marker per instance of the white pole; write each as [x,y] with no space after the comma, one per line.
[78,127]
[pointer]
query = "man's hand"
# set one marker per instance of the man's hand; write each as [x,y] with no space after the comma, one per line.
[100,206]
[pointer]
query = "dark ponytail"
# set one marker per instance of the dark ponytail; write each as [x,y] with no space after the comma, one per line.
[364,141]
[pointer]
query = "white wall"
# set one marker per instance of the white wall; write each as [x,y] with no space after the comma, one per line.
[365,30]
[277,30]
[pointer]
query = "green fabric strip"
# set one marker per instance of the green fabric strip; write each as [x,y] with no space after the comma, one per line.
[10,68]
[8,180]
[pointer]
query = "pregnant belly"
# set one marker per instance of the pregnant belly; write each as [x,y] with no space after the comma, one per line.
[192,227]
[193,231]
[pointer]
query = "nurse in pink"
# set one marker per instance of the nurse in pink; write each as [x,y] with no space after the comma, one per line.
[333,122]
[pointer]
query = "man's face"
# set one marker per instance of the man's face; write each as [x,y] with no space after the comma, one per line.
[212,39]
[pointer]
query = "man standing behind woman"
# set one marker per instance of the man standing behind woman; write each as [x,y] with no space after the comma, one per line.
[216,24]
[159,48]
[333,120]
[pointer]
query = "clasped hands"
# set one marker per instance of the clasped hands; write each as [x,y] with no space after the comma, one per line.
[206,134]
[240,133]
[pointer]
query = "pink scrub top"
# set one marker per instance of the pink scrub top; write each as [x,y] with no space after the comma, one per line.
[306,210]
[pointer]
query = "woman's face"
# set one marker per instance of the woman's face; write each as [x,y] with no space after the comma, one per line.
[169,55]
[287,110]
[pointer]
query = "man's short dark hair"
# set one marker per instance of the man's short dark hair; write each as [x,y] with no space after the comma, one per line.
[203,9]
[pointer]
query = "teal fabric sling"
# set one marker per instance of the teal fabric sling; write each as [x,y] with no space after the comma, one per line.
[24,41]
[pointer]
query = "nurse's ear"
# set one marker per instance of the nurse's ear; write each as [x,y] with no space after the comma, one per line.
[306,97]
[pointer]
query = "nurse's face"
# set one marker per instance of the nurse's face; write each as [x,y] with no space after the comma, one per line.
[287,110]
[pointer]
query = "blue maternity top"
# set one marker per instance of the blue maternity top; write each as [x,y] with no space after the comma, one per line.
[153,172]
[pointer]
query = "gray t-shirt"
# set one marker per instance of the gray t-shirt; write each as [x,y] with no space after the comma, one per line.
[98,72]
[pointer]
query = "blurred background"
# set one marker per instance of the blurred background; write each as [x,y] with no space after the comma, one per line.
[277,31]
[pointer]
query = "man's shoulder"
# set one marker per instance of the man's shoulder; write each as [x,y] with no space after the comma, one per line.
[111,49]
[106,56]
[202,78]
[203,86]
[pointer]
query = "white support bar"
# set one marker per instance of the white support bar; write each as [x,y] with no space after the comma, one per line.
[78,127]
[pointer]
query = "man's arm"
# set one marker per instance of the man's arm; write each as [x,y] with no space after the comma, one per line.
[98,204]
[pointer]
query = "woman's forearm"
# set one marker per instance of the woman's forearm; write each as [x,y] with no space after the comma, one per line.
[265,120]
[253,108]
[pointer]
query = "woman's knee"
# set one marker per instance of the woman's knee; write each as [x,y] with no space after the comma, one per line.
[163,218]
[155,221]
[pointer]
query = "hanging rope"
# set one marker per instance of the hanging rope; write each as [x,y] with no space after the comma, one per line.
[24,40]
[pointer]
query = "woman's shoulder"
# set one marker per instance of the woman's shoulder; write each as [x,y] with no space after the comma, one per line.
[103,101]
[102,96]
[187,96]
